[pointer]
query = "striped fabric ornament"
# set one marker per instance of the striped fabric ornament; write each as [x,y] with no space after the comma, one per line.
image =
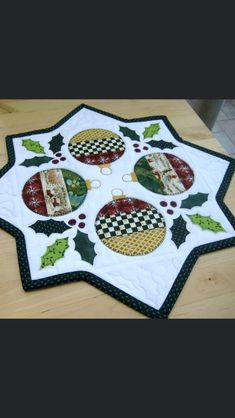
[54,192]
[130,226]
[97,147]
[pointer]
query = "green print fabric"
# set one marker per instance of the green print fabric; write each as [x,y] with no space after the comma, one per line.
[206,223]
[152,130]
[76,187]
[33,146]
[146,177]
[54,252]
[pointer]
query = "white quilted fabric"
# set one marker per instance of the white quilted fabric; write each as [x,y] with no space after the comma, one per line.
[148,278]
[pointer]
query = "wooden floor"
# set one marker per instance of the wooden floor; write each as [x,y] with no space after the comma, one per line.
[210,289]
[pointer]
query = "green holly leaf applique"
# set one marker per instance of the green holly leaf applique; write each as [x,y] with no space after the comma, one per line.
[130,133]
[179,231]
[33,146]
[56,143]
[161,144]
[54,252]
[49,227]
[84,247]
[151,130]
[206,223]
[36,161]
[194,200]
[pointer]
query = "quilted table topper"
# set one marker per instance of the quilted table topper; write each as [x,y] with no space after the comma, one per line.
[126,205]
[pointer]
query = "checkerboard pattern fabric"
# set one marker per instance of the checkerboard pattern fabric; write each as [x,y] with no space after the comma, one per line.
[96,146]
[127,223]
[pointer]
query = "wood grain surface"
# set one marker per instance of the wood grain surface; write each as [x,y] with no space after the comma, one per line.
[210,290]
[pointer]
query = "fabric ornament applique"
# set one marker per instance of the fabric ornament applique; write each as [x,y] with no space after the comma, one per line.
[162,173]
[130,226]
[54,192]
[97,147]
[139,245]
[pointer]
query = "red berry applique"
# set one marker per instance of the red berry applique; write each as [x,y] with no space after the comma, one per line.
[165,204]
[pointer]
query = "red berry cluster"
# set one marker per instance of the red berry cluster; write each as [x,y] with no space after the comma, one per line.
[81,225]
[60,156]
[137,149]
[165,204]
